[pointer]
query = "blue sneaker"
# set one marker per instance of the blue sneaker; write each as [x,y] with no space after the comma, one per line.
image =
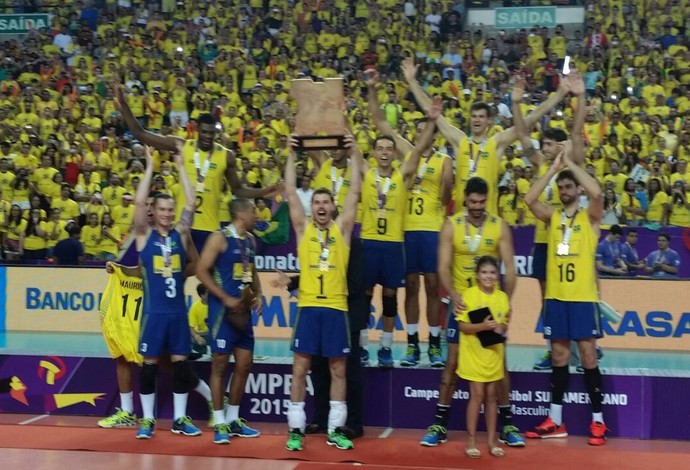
[437,435]
[385,356]
[146,428]
[221,434]
[185,427]
[436,357]
[364,355]
[239,428]
[510,437]
[544,363]
[412,355]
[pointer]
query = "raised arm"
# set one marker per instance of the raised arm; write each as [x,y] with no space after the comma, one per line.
[187,217]
[576,85]
[141,214]
[161,142]
[535,157]
[540,210]
[402,145]
[596,206]
[452,134]
[509,135]
[347,219]
[425,140]
[242,190]
[297,215]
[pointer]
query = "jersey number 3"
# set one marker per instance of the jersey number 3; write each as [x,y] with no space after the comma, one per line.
[171,287]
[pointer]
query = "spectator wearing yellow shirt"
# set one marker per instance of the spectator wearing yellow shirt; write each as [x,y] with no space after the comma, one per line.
[113,193]
[616,178]
[155,111]
[14,236]
[198,327]
[679,207]
[34,237]
[55,231]
[42,178]
[26,159]
[91,236]
[109,242]
[123,214]
[263,212]
[658,202]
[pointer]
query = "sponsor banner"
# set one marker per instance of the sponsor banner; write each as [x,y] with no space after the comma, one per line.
[22,24]
[51,299]
[634,406]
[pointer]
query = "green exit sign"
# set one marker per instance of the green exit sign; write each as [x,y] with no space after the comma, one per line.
[525,17]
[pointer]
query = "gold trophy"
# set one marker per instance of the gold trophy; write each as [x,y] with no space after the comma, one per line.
[319,120]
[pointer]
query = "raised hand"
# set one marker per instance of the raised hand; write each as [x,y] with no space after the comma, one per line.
[372,77]
[436,108]
[518,89]
[575,83]
[409,70]
[281,281]
[148,151]
[177,154]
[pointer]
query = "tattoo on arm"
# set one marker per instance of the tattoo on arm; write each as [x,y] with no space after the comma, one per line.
[187,217]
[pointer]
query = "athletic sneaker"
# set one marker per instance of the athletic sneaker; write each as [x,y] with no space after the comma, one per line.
[239,428]
[221,433]
[597,434]
[119,419]
[146,428]
[510,436]
[600,353]
[547,430]
[412,355]
[436,357]
[295,440]
[364,355]
[185,427]
[436,435]
[385,356]
[544,363]
[339,440]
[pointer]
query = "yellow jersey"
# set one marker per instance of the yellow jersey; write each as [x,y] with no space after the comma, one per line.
[198,313]
[571,277]
[550,197]
[208,167]
[35,242]
[470,243]
[323,287]
[337,181]
[120,311]
[424,208]
[656,208]
[475,362]
[383,206]
[477,159]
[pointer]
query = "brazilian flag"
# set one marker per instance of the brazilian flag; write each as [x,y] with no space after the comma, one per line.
[277,231]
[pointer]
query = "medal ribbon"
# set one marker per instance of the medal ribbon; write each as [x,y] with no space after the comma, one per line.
[474,159]
[382,193]
[166,250]
[243,245]
[337,181]
[324,244]
[567,232]
[473,243]
[422,170]
[201,171]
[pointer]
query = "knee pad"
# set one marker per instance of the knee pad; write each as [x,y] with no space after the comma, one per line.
[147,378]
[183,377]
[390,306]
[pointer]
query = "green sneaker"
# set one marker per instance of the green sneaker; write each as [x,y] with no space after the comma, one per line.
[211,421]
[119,419]
[339,440]
[295,440]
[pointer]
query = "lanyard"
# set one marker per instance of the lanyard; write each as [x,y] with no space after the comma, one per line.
[324,244]
[473,243]
[337,181]
[243,246]
[613,250]
[567,232]
[382,192]
[422,170]
[201,171]
[474,159]
[166,250]
[633,251]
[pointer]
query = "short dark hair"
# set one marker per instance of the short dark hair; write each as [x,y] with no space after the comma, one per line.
[486,259]
[480,105]
[207,118]
[567,175]
[554,133]
[665,235]
[476,185]
[201,290]
[161,196]
[616,229]
[238,205]
[384,137]
[323,191]
[631,230]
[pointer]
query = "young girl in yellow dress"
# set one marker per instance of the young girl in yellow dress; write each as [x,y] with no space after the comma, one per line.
[482,366]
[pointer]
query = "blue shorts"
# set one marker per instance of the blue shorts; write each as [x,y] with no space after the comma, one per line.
[384,264]
[164,332]
[571,320]
[421,252]
[452,329]
[199,238]
[223,337]
[539,261]
[321,331]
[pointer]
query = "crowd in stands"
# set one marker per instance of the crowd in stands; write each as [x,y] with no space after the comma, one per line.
[67,159]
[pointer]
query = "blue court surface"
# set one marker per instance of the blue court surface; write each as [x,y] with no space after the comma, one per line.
[520,358]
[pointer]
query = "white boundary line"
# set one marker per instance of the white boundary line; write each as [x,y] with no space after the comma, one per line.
[387,432]
[34,419]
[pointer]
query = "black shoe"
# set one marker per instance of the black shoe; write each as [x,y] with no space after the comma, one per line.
[195,356]
[315,428]
[351,433]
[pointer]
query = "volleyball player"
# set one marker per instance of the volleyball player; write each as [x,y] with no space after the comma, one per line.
[571,299]
[321,327]
[228,257]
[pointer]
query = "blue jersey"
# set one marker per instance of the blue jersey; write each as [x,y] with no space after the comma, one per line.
[234,267]
[163,295]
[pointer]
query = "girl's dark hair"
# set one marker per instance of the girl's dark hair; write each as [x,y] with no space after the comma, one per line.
[486,259]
